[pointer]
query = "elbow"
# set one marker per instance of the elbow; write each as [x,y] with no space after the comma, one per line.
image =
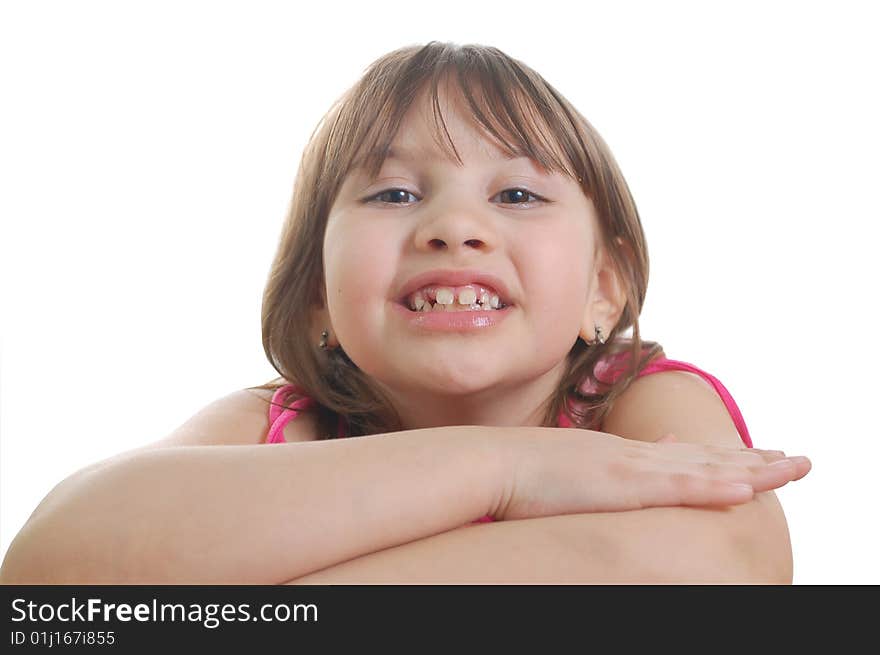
[771,564]
[763,544]
[47,553]
[763,564]
[13,569]
[27,561]
[61,541]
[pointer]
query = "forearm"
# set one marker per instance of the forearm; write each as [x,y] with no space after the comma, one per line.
[741,544]
[252,514]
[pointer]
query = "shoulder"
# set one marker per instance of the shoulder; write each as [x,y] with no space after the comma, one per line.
[688,406]
[239,418]
[680,402]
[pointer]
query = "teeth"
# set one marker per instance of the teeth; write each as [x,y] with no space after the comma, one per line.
[445,301]
[467,297]
[444,296]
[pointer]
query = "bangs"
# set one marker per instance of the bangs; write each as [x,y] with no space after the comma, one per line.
[510,107]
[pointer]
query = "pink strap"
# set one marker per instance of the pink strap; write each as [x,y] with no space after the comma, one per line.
[279,417]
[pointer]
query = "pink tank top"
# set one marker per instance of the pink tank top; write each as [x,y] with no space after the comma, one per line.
[605,371]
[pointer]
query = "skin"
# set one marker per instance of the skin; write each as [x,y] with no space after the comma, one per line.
[562,286]
[464,216]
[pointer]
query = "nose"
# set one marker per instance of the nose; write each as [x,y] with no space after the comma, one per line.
[455,228]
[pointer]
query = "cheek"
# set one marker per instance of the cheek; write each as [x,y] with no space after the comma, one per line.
[558,271]
[358,266]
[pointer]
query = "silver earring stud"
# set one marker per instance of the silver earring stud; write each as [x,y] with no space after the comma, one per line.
[599,338]
[323,343]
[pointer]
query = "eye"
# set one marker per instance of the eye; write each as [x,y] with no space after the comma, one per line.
[394,194]
[519,193]
[516,195]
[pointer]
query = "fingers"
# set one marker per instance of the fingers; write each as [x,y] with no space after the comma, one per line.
[718,483]
[695,490]
[803,465]
[726,453]
[765,479]
[762,476]
[780,473]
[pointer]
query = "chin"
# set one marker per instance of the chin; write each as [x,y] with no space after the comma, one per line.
[465,384]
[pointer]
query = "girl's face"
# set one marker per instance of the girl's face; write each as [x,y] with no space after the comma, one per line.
[505,217]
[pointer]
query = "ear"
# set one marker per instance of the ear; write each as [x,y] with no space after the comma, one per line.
[606,299]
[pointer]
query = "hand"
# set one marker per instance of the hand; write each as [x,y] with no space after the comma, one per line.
[570,471]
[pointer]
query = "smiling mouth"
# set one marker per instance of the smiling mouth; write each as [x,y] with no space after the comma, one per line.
[443,299]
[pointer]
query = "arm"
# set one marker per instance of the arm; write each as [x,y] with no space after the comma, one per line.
[657,545]
[747,543]
[261,514]
[253,514]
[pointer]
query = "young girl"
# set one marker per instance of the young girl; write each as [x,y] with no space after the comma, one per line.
[460,263]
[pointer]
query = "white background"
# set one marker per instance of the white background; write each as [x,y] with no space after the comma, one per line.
[148,153]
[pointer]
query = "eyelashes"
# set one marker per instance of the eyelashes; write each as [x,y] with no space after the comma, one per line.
[402,193]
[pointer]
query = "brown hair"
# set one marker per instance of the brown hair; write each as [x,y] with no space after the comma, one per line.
[525,114]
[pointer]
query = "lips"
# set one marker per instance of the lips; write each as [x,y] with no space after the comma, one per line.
[455,278]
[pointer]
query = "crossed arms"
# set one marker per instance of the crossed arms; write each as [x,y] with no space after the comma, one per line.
[739,544]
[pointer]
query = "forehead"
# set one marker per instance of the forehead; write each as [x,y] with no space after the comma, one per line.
[430,132]
[449,126]
[415,147]
[417,144]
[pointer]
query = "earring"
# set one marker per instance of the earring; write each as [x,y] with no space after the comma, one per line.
[599,338]
[323,343]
